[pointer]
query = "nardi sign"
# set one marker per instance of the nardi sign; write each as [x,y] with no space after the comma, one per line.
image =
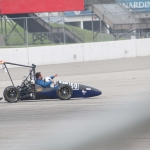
[136,5]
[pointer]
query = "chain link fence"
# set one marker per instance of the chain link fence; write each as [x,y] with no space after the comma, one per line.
[47,30]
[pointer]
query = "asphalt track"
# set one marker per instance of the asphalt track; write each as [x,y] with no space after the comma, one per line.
[120,118]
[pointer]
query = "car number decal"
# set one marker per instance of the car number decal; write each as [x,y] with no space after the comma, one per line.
[74,86]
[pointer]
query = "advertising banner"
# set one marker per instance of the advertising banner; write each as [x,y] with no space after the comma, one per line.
[136,5]
[37,6]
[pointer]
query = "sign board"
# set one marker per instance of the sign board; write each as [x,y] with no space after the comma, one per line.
[136,5]
[37,6]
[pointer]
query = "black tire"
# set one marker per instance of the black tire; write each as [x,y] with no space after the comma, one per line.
[11,94]
[64,92]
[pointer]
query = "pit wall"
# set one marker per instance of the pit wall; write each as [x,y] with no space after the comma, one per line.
[76,52]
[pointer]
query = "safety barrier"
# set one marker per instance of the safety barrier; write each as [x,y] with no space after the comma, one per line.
[76,52]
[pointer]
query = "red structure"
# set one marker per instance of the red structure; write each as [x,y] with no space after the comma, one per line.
[35,6]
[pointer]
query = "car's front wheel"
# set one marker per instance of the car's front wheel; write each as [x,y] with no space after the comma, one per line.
[11,94]
[64,92]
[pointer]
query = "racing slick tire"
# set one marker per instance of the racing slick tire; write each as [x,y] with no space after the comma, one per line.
[11,94]
[64,92]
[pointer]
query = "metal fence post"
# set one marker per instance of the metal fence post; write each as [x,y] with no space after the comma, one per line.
[100,25]
[82,26]
[92,27]
[27,42]
[6,30]
[64,29]
[1,25]
[24,24]
[135,28]
[49,27]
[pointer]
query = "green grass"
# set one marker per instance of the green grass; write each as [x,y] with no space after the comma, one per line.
[16,39]
[85,35]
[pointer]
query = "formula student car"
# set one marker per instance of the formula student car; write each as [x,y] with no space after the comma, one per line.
[28,90]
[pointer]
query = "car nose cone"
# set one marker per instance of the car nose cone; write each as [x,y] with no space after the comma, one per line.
[93,92]
[96,92]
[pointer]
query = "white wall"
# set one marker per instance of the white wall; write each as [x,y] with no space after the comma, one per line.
[143,47]
[15,55]
[56,54]
[109,50]
[76,52]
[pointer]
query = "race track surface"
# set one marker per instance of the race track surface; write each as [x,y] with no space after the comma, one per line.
[118,119]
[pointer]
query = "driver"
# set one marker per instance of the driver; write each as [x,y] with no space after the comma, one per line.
[2,61]
[41,82]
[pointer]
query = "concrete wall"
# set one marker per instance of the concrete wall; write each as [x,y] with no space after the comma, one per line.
[15,55]
[55,54]
[76,52]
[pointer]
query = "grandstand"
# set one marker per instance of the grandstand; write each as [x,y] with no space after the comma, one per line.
[121,20]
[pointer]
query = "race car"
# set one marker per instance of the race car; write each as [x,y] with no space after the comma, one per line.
[28,90]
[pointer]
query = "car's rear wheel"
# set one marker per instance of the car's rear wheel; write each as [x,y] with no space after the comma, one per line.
[64,92]
[11,94]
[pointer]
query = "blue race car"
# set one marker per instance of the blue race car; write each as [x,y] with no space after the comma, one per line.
[28,90]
